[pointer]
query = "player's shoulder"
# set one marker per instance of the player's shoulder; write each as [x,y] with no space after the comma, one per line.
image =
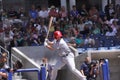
[62,41]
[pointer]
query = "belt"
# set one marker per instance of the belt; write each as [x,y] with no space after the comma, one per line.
[65,55]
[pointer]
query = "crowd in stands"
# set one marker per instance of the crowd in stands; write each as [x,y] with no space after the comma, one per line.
[87,27]
[84,28]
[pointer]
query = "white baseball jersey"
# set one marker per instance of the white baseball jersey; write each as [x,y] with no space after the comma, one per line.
[61,47]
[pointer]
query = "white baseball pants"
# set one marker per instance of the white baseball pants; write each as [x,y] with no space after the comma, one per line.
[69,60]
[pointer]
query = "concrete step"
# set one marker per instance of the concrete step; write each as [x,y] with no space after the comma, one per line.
[16,76]
[19,79]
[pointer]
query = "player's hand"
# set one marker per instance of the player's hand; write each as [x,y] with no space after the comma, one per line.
[46,40]
[45,43]
[84,78]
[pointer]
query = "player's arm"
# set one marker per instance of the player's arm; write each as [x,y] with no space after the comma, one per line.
[50,47]
[72,44]
[82,69]
[74,50]
[82,72]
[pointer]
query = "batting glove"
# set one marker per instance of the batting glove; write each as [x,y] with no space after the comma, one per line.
[46,40]
[45,43]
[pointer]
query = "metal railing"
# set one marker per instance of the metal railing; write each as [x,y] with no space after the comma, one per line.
[41,72]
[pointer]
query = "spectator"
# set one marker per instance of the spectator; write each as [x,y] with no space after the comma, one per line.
[48,67]
[106,9]
[96,19]
[2,43]
[70,25]
[94,71]
[86,30]
[3,65]
[112,30]
[83,11]
[93,11]
[89,41]
[34,39]
[21,14]
[72,42]
[4,15]
[88,22]
[81,25]
[85,68]
[79,41]
[105,20]
[74,13]
[43,13]
[111,10]
[3,75]
[14,42]
[17,65]
[75,31]
[101,62]
[96,30]
[113,18]
[117,10]
[66,37]
[19,40]
[53,12]
[42,31]
[3,60]
[33,13]
[12,13]
[104,28]
[63,13]
[25,40]
[7,40]
[90,69]
[114,25]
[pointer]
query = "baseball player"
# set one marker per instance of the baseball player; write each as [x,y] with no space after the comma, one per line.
[66,56]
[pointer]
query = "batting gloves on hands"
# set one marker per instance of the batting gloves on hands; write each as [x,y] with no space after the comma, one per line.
[45,43]
[47,40]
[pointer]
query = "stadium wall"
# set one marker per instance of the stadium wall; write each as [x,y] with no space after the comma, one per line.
[36,53]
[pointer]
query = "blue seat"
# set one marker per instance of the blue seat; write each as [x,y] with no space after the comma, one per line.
[116,41]
[108,43]
[99,43]
[103,48]
[34,44]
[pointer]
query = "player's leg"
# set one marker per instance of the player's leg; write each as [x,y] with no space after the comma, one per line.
[71,65]
[59,64]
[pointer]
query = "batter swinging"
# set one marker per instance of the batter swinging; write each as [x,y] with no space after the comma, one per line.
[66,56]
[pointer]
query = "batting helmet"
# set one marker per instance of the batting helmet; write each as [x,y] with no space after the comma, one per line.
[57,34]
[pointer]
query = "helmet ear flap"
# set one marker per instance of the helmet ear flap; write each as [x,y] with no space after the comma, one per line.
[57,34]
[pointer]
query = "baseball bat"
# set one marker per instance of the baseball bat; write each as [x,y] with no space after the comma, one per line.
[74,50]
[50,23]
